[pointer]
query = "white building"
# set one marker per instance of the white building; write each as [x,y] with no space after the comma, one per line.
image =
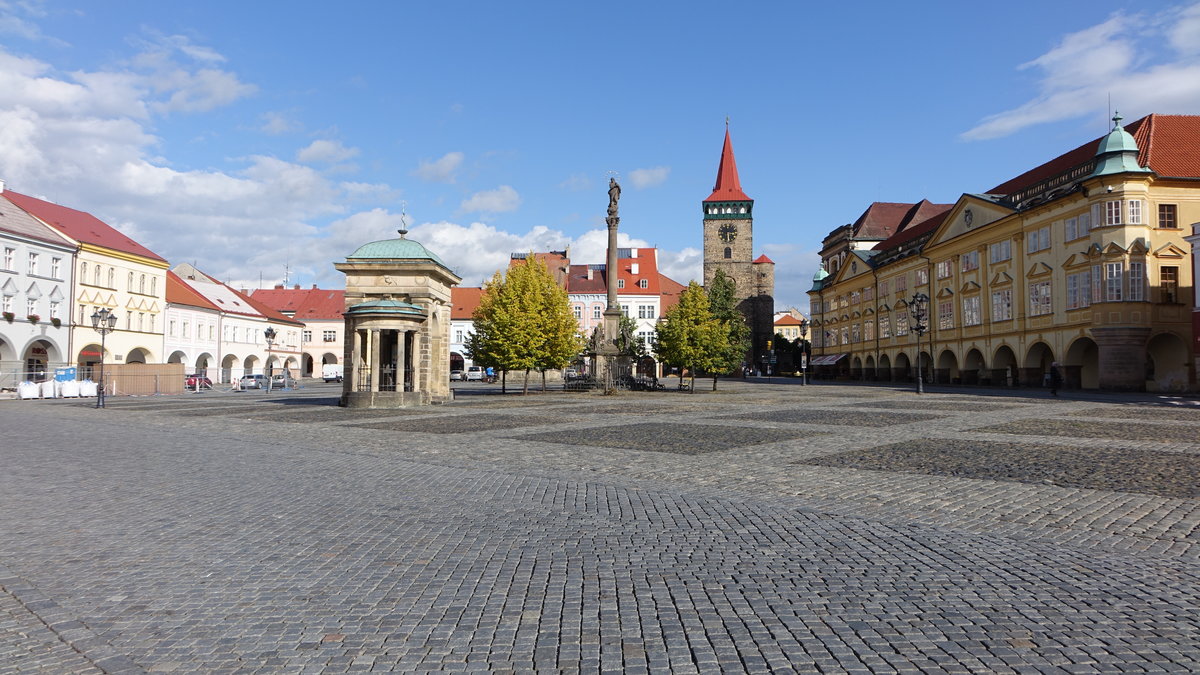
[237,333]
[36,276]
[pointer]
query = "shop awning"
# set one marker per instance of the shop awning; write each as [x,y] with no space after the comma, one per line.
[827,360]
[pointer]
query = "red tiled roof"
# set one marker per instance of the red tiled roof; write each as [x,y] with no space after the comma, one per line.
[464,300]
[1168,144]
[79,225]
[787,320]
[647,262]
[263,309]
[729,186]
[883,219]
[555,261]
[304,303]
[670,292]
[912,232]
[764,259]
[179,293]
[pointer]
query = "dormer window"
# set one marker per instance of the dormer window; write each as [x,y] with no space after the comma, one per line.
[643,283]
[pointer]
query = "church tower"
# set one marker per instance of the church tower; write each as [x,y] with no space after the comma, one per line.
[729,246]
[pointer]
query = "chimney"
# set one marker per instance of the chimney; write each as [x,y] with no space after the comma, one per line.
[296,287]
[633,253]
[589,272]
[279,287]
[314,287]
[634,267]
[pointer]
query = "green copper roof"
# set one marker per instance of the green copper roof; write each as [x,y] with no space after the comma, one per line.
[819,279]
[386,306]
[395,249]
[1117,152]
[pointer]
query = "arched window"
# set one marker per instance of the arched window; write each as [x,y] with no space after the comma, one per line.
[112,278]
[142,284]
[130,289]
[728,253]
[153,285]
[83,271]
[96,276]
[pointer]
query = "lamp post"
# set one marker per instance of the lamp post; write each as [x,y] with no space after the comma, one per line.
[803,351]
[918,306]
[269,334]
[104,322]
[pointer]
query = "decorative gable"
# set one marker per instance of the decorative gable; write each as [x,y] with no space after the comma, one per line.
[1001,279]
[969,287]
[970,213]
[1039,269]
[946,293]
[1170,251]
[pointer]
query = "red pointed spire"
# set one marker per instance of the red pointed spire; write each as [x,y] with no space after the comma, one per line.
[729,186]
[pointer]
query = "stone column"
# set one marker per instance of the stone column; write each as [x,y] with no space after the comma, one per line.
[352,378]
[374,359]
[401,356]
[418,360]
[1122,356]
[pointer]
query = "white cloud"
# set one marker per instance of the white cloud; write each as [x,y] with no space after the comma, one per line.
[1123,57]
[646,178]
[277,123]
[440,170]
[502,199]
[576,182]
[326,152]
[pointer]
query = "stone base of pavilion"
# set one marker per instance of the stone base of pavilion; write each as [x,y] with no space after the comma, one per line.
[389,399]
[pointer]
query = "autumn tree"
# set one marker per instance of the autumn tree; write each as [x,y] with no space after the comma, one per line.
[722,301]
[524,322]
[689,336]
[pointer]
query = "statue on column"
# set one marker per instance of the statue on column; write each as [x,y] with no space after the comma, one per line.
[614,196]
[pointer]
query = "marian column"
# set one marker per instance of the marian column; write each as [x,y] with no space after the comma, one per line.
[607,348]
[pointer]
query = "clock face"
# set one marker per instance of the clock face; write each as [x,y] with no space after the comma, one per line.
[728,233]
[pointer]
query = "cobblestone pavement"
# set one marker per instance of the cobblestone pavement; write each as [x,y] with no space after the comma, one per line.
[762,527]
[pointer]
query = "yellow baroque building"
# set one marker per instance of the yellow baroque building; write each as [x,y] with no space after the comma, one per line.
[1081,261]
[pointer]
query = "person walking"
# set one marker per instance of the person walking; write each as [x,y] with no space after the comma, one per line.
[1055,378]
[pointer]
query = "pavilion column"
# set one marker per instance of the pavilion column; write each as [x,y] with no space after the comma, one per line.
[355,362]
[374,346]
[416,360]
[401,359]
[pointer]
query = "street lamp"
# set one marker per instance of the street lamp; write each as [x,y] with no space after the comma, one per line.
[104,322]
[919,307]
[269,333]
[803,351]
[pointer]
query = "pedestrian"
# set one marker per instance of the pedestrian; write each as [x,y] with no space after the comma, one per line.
[1055,378]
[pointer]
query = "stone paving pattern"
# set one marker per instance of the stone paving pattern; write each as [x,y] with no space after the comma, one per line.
[763,527]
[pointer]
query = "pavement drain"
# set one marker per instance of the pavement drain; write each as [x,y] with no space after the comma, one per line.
[461,424]
[1124,431]
[694,439]
[1119,470]
[834,417]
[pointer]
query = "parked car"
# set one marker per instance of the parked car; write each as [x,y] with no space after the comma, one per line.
[457,376]
[258,381]
[194,381]
[475,374]
[572,374]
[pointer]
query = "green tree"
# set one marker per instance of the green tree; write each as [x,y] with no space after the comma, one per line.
[524,322]
[722,302]
[689,336]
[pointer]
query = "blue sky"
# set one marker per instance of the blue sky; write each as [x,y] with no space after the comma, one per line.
[248,136]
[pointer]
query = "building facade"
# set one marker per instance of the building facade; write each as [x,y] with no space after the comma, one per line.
[112,272]
[1081,261]
[320,310]
[36,275]
[728,233]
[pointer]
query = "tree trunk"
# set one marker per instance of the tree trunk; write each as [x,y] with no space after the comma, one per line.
[504,382]
[693,389]
[525,388]
[543,379]
[714,382]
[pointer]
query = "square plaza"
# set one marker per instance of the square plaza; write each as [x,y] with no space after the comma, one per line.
[762,527]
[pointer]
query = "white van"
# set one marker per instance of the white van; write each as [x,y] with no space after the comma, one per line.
[475,374]
[332,372]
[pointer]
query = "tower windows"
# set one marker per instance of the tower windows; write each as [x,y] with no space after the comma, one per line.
[728,253]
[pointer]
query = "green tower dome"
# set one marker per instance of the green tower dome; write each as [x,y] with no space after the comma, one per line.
[395,249]
[1117,152]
